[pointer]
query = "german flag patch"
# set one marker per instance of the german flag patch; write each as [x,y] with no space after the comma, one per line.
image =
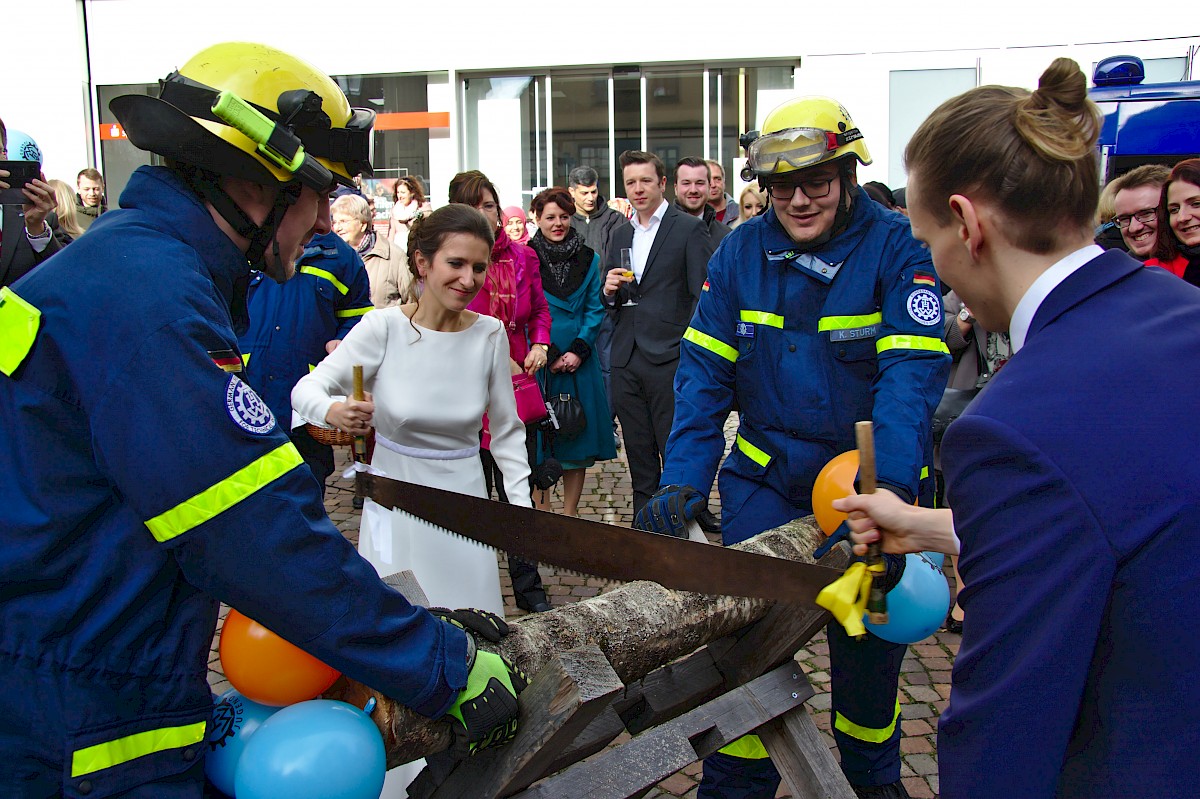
[924,279]
[705,286]
[227,360]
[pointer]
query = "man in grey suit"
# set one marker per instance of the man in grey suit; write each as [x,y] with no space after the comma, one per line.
[653,297]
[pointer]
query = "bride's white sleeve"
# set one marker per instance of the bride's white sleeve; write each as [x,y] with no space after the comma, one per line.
[365,344]
[506,428]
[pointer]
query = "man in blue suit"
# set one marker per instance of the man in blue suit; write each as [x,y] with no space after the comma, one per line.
[1073,478]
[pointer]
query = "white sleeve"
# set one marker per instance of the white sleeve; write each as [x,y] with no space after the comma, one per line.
[506,428]
[365,344]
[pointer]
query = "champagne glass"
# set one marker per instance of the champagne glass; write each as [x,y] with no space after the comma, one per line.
[627,271]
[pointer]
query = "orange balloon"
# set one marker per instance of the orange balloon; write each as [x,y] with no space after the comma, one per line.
[835,481]
[267,669]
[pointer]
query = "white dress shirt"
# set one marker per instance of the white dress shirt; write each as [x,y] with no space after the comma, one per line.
[1027,308]
[643,239]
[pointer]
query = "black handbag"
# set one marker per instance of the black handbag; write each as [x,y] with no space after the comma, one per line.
[567,417]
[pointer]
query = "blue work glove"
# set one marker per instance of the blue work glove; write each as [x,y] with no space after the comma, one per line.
[669,511]
[486,710]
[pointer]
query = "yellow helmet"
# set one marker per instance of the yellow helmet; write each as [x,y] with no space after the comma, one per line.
[255,112]
[801,133]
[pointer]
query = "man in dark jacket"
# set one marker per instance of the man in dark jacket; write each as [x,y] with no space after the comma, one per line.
[89,193]
[692,178]
[596,222]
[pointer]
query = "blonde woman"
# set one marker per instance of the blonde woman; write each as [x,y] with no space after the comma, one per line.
[68,228]
[750,204]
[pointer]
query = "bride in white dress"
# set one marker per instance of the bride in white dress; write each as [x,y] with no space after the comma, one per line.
[432,369]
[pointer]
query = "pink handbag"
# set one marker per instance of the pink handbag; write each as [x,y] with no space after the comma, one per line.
[531,407]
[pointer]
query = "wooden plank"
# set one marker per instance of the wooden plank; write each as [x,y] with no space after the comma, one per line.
[659,752]
[563,698]
[802,757]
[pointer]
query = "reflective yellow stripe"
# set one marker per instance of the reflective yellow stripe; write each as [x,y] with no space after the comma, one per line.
[19,323]
[924,472]
[246,359]
[224,495]
[868,734]
[122,750]
[312,270]
[711,344]
[749,747]
[763,318]
[752,452]
[899,342]
[354,311]
[828,323]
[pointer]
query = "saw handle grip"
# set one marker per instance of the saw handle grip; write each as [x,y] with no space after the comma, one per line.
[864,434]
[360,442]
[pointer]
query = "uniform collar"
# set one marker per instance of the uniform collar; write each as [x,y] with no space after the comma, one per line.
[823,261]
[171,207]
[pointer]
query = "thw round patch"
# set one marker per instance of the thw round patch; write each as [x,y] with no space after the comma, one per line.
[247,408]
[925,307]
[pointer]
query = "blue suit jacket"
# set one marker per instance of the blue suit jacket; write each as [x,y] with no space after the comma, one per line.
[1075,486]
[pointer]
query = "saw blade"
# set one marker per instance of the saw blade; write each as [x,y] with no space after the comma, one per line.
[603,550]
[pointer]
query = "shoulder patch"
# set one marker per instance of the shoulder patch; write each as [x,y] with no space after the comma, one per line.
[925,307]
[247,409]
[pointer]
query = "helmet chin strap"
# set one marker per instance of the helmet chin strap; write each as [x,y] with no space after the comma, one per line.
[260,236]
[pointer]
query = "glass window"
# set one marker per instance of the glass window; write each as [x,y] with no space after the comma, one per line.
[675,115]
[579,110]
[914,94]
[505,134]
[119,158]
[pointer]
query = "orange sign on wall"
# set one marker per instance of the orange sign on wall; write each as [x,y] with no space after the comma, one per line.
[396,120]
[111,131]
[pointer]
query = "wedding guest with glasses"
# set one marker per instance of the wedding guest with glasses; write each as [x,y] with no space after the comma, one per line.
[1135,207]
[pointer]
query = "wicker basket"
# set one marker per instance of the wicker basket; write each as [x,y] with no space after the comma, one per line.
[330,436]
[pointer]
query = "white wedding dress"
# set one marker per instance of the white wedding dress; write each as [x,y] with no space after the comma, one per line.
[430,390]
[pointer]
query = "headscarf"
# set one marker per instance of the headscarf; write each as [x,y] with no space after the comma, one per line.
[514,211]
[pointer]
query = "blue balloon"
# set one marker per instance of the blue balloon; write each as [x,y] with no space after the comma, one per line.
[918,604]
[936,558]
[313,750]
[235,719]
[22,147]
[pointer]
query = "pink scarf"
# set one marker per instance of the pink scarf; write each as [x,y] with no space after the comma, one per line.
[502,282]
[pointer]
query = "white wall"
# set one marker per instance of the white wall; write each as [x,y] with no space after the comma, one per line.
[846,53]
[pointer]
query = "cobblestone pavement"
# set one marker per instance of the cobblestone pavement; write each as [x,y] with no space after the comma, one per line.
[607,496]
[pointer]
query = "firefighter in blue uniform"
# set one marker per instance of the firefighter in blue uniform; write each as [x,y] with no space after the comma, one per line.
[822,312]
[142,482]
[294,324]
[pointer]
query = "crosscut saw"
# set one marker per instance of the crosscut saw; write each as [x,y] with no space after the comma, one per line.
[603,550]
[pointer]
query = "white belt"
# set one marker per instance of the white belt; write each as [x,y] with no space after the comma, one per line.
[427,454]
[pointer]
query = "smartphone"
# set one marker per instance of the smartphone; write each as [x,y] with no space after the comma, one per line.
[20,174]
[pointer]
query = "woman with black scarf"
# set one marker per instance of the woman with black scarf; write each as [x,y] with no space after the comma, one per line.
[1178,249]
[571,279]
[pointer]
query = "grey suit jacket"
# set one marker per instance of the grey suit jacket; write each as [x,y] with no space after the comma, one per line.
[17,255]
[667,293]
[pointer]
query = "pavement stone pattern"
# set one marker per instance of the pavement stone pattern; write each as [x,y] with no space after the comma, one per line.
[608,497]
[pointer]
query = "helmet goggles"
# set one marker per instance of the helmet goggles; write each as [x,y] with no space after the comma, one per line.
[796,147]
[300,115]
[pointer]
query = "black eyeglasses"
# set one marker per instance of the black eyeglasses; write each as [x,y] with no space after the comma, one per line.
[1145,216]
[813,189]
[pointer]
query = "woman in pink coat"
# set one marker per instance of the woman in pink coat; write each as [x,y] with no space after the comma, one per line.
[513,294]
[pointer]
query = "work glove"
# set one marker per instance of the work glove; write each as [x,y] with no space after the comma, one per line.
[669,511]
[485,712]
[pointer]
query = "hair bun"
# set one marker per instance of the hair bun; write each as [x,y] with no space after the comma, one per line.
[1058,120]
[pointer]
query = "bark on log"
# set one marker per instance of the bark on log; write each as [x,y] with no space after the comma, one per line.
[639,627]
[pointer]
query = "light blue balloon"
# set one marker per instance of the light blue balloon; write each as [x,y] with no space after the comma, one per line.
[235,719]
[313,750]
[917,606]
[22,147]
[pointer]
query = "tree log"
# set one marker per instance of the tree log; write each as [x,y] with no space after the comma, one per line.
[639,627]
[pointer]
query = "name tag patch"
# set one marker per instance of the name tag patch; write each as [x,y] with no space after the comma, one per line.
[745,330]
[853,334]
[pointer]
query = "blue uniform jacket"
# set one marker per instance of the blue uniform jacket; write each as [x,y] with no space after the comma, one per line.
[1075,487]
[141,483]
[810,343]
[291,322]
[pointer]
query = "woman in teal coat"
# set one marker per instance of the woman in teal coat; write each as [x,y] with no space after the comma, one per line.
[571,280]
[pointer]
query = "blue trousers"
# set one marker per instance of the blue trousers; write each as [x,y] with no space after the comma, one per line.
[864,674]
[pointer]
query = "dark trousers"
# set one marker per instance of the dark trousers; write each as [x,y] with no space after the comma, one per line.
[603,350]
[318,457]
[526,580]
[644,397]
